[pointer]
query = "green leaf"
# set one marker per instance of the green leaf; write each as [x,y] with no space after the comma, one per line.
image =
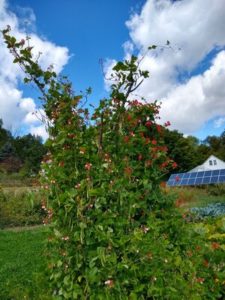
[120,66]
[95,192]
[133,296]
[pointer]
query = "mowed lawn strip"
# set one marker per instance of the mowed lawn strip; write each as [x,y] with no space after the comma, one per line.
[21,259]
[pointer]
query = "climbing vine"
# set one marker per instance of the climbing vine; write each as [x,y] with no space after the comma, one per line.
[114,233]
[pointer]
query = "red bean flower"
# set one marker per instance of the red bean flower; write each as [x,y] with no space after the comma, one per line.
[109,283]
[215,245]
[88,166]
[126,139]
[174,165]
[140,157]
[148,124]
[200,280]
[167,124]
[177,178]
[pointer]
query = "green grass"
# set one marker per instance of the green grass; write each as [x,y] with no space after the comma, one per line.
[14,180]
[195,197]
[20,206]
[22,264]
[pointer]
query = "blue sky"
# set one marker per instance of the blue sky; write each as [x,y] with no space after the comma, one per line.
[91,30]
[74,35]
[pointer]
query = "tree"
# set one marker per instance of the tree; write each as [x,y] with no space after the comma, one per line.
[8,158]
[5,135]
[21,151]
[216,144]
[30,150]
[183,150]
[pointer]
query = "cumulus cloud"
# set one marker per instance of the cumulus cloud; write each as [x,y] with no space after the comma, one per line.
[15,110]
[40,131]
[201,98]
[194,28]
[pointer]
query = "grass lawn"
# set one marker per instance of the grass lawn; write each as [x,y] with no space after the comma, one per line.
[21,262]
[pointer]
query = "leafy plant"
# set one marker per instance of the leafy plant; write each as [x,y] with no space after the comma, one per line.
[115,235]
[212,210]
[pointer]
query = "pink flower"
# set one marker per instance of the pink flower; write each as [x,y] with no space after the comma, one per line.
[88,166]
[140,157]
[145,229]
[22,42]
[109,283]
[136,103]
[43,207]
[167,123]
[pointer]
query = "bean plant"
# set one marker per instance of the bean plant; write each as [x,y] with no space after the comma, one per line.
[114,233]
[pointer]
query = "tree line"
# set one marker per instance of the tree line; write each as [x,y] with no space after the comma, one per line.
[188,152]
[21,153]
[24,153]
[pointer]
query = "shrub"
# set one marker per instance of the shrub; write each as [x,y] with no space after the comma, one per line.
[114,235]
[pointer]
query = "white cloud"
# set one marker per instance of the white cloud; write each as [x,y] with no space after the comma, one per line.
[15,110]
[35,116]
[201,98]
[219,122]
[108,72]
[40,131]
[50,53]
[27,105]
[196,27]
[128,48]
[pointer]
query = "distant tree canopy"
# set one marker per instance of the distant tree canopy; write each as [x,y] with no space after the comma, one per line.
[21,153]
[188,152]
[30,150]
[5,135]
